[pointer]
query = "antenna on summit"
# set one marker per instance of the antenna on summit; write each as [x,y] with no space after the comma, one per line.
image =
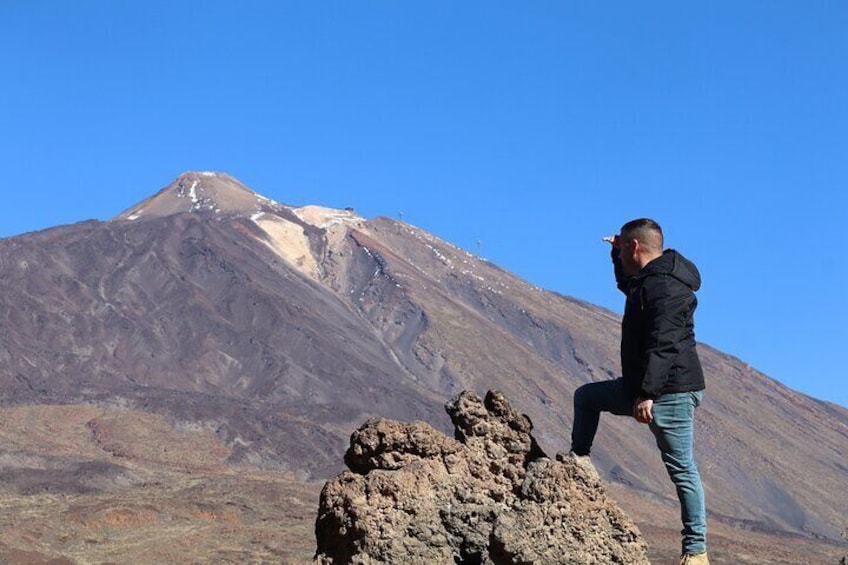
[479,245]
[400,215]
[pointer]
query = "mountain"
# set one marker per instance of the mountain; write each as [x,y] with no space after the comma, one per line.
[277,330]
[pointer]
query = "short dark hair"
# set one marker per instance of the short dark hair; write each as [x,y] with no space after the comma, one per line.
[647,231]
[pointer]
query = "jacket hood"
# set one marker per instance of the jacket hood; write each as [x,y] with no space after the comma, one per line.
[676,265]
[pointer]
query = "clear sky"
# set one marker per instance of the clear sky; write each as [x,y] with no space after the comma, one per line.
[534,128]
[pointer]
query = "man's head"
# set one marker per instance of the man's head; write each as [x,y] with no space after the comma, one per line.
[639,242]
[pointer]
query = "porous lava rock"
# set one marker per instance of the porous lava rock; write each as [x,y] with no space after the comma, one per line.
[489,496]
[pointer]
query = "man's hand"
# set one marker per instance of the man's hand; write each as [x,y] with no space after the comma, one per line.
[642,410]
[613,240]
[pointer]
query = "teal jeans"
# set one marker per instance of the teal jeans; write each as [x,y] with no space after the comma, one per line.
[673,427]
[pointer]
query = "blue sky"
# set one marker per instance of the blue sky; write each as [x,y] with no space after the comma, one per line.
[534,128]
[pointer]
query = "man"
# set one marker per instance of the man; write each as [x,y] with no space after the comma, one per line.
[662,380]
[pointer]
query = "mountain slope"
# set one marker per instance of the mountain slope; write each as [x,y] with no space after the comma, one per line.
[281,329]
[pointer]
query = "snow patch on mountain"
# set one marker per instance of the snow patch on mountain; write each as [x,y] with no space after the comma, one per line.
[193,191]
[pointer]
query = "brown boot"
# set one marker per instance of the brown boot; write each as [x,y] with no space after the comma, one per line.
[695,559]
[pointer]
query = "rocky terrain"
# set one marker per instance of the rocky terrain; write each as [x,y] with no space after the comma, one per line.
[414,495]
[210,334]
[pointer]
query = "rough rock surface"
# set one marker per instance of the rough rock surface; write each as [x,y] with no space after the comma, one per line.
[414,495]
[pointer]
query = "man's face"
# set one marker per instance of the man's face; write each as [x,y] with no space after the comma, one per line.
[627,250]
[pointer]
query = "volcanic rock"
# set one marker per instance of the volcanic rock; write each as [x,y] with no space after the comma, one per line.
[490,495]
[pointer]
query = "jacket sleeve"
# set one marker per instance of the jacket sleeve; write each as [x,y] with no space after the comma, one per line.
[622,281]
[668,306]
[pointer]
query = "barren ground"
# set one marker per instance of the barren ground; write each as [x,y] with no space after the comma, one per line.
[257,517]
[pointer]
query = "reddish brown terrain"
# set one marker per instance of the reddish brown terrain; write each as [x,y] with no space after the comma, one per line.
[178,382]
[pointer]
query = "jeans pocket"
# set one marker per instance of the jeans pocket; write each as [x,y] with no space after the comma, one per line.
[697,397]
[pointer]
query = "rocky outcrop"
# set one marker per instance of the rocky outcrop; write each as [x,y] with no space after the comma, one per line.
[489,495]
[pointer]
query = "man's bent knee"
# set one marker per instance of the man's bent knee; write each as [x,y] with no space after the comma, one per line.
[580,394]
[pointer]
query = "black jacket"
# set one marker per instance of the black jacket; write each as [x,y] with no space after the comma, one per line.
[658,352]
